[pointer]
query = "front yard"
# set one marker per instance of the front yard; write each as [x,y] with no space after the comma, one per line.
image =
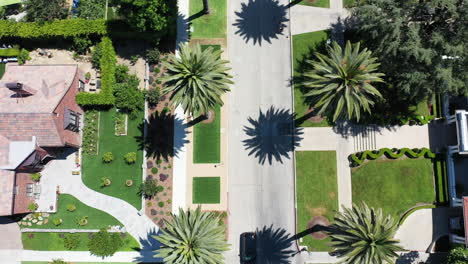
[317,192]
[117,171]
[206,140]
[211,25]
[394,185]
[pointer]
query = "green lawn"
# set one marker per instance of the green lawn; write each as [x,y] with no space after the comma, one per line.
[316,3]
[2,69]
[394,185]
[97,219]
[212,25]
[52,242]
[206,140]
[303,46]
[206,190]
[214,47]
[9,2]
[317,192]
[349,3]
[117,171]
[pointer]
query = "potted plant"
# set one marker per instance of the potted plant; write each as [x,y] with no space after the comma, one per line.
[87,77]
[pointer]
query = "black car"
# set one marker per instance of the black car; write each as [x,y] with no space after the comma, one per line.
[248,247]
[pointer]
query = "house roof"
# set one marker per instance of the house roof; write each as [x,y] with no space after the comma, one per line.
[47,84]
[6,191]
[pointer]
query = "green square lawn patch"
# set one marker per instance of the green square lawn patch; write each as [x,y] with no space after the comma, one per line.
[206,140]
[214,47]
[317,192]
[394,185]
[316,3]
[2,69]
[206,190]
[303,45]
[211,25]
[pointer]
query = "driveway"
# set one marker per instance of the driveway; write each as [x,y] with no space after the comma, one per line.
[11,231]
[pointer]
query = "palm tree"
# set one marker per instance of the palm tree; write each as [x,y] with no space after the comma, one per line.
[193,237]
[197,79]
[363,235]
[341,83]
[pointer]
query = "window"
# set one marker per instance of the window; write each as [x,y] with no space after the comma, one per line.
[71,120]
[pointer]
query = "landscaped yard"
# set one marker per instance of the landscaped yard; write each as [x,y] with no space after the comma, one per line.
[206,190]
[206,140]
[316,3]
[317,192]
[303,45]
[394,185]
[55,241]
[2,69]
[117,171]
[211,25]
[96,219]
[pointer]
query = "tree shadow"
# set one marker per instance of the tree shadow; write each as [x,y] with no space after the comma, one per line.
[316,228]
[183,32]
[272,135]
[260,20]
[274,246]
[149,245]
[166,136]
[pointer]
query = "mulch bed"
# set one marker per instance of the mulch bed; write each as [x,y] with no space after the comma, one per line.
[314,118]
[318,221]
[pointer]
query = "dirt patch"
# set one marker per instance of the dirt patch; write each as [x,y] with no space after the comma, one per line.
[316,211]
[314,117]
[318,222]
[210,117]
[331,195]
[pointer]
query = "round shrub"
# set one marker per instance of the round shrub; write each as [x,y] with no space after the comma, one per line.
[104,244]
[57,221]
[128,183]
[71,207]
[130,157]
[36,176]
[32,207]
[153,55]
[108,157]
[153,97]
[82,221]
[159,161]
[154,170]
[161,204]
[157,70]
[104,182]
[71,241]
[149,188]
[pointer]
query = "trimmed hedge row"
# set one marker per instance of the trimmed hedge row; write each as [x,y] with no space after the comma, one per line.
[357,159]
[9,52]
[56,28]
[107,63]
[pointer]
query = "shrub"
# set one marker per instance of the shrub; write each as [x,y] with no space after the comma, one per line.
[23,56]
[128,183]
[58,261]
[87,75]
[91,9]
[128,98]
[161,204]
[153,55]
[159,161]
[36,176]
[71,241]
[153,97]
[154,170]
[71,207]
[134,59]
[121,73]
[150,188]
[104,182]
[357,159]
[130,157]
[104,244]
[458,255]
[32,206]
[57,221]
[96,56]
[108,157]
[81,44]
[156,70]
[82,221]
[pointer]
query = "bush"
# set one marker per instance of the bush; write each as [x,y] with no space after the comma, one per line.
[130,157]
[23,56]
[149,188]
[71,241]
[13,52]
[156,70]
[36,176]
[104,182]
[105,244]
[57,221]
[128,98]
[108,157]
[128,183]
[91,9]
[154,170]
[96,56]
[134,59]
[121,73]
[58,261]
[32,206]
[153,55]
[159,161]
[71,207]
[87,75]
[153,97]
[81,44]
[161,204]
[82,221]
[357,159]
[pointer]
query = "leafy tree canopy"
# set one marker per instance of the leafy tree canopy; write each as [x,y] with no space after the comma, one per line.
[104,244]
[91,9]
[458,255]
[45,10]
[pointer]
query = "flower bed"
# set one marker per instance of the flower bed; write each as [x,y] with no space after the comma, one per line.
[91,132]
[120,124]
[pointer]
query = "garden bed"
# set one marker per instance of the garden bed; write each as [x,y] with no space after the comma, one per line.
[121,122]
[90,143]
[316,193]
[206,140]
[206,190]
[211,25]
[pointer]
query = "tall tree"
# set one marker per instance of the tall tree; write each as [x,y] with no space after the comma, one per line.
[340,83]
[192,237]
[364,235]
[45,10]
[421,44]
[197,79]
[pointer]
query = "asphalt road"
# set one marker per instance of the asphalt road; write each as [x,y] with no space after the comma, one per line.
[261,175]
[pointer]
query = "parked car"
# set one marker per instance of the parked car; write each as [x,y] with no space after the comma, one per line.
[248,247]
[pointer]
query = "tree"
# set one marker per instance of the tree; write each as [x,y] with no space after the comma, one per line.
[340,84]
[150,188]
[197,79]
[45,10]
[192,237]
[91,9]
[105,244]
[157,16]
[421,44]
[364,235]
[458,255]
[128,98]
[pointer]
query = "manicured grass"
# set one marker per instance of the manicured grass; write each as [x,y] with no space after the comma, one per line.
[440,175]
[214,47]
[2,69]
[9,2]
[52,242]
[349,3]
[206,140]
[211,25]
[206,190]
[394,185]
[303,45]
[97,219]
[118,171]
[317,192]
[316,3]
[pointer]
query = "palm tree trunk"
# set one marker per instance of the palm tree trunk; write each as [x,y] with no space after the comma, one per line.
[206,7]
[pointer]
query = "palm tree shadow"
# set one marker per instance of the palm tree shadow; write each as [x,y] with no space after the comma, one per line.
[260,20]
[274,246]
[149,245]
[272,135]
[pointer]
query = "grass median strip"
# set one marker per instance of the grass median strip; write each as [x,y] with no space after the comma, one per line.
[206,190]
[206,140]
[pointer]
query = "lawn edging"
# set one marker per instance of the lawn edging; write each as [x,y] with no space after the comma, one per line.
[412,210]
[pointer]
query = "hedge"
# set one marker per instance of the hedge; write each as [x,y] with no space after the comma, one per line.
[108,63]
[357,159]
[9,52]
[56,28]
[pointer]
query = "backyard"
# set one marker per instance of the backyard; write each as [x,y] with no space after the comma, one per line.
[317,192]
[206,140]
[211,25]
[116,172]
[394,185]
